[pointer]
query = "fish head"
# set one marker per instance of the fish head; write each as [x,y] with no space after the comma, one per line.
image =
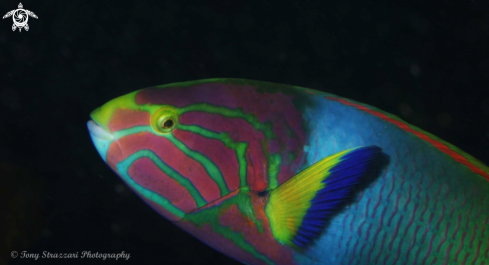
[139,140]
[182,147]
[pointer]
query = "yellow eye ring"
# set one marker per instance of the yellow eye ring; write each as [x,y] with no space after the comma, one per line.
[164,120]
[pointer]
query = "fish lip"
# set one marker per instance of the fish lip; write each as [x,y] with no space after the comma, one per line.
[98,131]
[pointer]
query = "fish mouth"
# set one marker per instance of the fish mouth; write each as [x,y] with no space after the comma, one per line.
[98,132]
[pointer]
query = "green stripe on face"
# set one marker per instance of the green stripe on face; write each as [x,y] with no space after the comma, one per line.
[266,128]
[274,160]
[199,201]
[273,170]
[211,169]
[123,168]
[132,130]
[238,147]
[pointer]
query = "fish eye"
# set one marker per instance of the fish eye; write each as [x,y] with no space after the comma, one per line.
[168,123]
[164,120]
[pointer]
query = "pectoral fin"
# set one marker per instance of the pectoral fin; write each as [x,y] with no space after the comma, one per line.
[299,208]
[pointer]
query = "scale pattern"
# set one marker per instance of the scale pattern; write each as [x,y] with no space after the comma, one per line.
[425,208]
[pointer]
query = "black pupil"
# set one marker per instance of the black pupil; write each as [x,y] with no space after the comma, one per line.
[168,124]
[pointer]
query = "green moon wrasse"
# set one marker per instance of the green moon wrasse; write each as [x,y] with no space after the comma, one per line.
[276,174]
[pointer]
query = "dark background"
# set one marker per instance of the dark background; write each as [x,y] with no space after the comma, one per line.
[425,61]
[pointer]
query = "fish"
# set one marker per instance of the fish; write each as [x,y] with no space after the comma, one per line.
[270,173]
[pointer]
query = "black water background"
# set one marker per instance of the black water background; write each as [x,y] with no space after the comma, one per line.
[425,61]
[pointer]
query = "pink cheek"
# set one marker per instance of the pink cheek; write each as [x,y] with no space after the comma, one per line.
[126,118]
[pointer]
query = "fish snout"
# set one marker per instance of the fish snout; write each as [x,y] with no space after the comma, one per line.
[99,132]
[101,138]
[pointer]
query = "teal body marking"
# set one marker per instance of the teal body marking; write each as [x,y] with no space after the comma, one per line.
[123,168]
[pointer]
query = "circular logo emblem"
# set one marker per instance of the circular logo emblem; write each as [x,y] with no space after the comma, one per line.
[20,18]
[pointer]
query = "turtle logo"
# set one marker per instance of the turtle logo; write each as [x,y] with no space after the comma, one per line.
[20,17]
